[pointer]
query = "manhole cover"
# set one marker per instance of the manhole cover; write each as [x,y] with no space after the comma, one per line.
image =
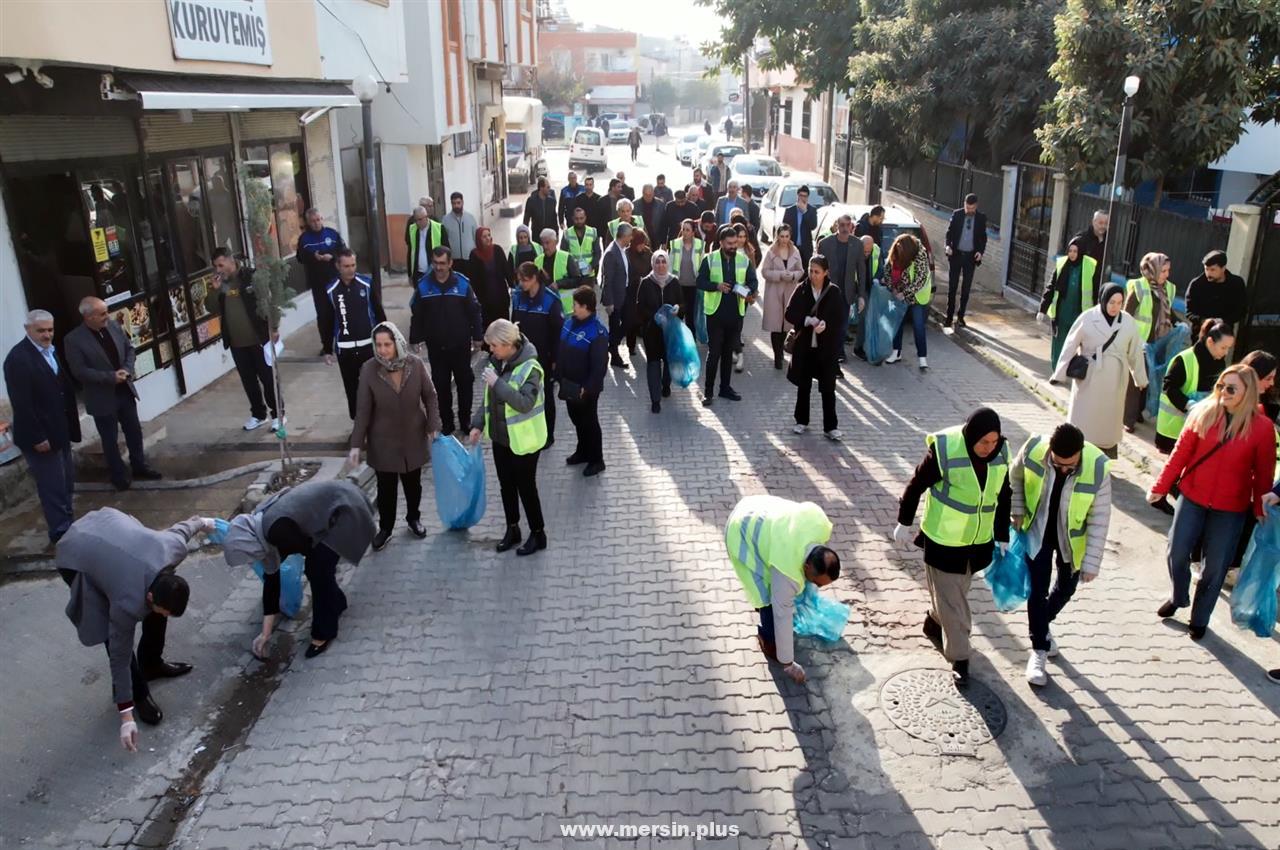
[926,704]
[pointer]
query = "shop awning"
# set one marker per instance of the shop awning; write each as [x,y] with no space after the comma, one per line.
[157,91]
[610,95]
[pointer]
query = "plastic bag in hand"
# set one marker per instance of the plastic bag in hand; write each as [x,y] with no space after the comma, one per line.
[853,313]
[291,571]
[1158,354]
[1253,602]
[682,353]
[459,478]
[818,616]
[1008,576]
[700,320]
[884,316]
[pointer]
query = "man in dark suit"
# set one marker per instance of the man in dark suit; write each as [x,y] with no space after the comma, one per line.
[615,271]
[45,419]
[803,220]
[100,357]
[753,208]
[966,243]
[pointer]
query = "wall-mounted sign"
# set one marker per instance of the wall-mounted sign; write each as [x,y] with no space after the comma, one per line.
[220,30]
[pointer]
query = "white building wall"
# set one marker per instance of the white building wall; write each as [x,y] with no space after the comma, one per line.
[416,112]
[349,32]
[13,301]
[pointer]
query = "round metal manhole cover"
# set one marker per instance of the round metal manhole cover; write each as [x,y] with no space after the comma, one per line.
[926,704]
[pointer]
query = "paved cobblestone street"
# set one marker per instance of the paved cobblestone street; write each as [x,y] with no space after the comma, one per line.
[478,700]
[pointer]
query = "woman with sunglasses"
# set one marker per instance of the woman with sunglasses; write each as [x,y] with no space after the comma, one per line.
[1223,463]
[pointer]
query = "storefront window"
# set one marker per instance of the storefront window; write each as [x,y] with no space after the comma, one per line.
[189,222]
[111,237]
[280,168]
[220,183]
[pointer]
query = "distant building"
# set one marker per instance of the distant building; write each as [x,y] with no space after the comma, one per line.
[606,60]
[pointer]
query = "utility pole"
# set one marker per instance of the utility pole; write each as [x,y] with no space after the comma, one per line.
[830,134]
[848,148]
[746,103]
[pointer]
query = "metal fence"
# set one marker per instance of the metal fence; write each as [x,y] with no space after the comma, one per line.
[1029,248]
[856,156]
[944,185]
[1137,230]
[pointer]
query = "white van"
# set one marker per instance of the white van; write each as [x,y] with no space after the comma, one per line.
[588,149]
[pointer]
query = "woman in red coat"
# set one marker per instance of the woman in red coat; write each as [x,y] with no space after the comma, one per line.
[1224,462]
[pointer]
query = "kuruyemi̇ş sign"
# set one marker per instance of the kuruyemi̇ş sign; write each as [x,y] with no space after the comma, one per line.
[220,30]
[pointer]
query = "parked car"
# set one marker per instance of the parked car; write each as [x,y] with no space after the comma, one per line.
[783,195]
[552,126]
[588,149]
[620,129]
[758,172]
[729,149]
[687,147]
[897,220]
[606,116]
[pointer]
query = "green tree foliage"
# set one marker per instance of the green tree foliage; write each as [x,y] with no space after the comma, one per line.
[701,93]
[559,88]
[663,96]
[1204,67]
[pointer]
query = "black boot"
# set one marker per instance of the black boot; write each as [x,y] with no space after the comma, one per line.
[536,542]
[960,669]
[933,631]
[511,538]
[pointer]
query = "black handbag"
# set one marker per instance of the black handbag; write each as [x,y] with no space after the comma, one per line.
[1078,366]
[789,344]
[569,391]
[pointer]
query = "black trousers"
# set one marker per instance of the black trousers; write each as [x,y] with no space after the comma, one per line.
[259,381]
[349,362]
[616,330]
[327,599]
[1044,605]
[722,337]
[518,481]
[411,483]
[549,391]
[150,651]
[125,418]
[765,629]
[962,267]
[585,415]
[55,475]
[324,317]
[689,302]
[658,373]
[449,366]
[827,388]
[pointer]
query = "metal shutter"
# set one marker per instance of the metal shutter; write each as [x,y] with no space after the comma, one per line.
[268,124]
[163,131]
[29,138]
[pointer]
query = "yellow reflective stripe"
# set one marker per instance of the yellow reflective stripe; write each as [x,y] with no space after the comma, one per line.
[1099,474]
[749,554]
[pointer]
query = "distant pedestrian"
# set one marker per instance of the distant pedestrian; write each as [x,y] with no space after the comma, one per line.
[245,332]
[1223,463]
[447,324]
[728,128]
[101,359]
[706,127]
[1092,241]
[460,228]
[46,420]
[1216,293]
[397,418]
[728,284]
[1190,377]
[317,253]
[582,361]
[634,141]
[1107,337]
[357,308]
[966,242]
[782,273]
[540,208]
[1149,299]
[657,289]
[819,314]
[804,221]
[909,279]
[965,469]
[1068,294]
[512,415]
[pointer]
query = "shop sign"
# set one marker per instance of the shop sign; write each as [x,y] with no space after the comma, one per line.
[99,237]
[113,241]
[220,30]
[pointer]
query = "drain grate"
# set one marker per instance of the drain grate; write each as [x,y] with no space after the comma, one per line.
[927,705]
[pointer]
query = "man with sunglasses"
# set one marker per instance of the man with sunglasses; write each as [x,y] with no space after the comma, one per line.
[1061,501]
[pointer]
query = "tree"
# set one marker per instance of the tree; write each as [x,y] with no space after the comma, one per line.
[701,93]
[1203,67]
[559,87]
[663,96]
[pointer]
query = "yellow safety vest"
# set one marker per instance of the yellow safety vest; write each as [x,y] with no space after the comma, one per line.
[769,531]
[433,232]
[636,224]
[957,512]
[1094,469]
[582,250]
[875,261]
[537,255]
[559,265]
[1169,418]
[676,247]
[1146,303]
[711,300]
[925,293]
[1088,265]
[526,432]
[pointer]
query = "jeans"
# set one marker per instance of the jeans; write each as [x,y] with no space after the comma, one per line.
[916,314]
[259,382]
[827,388]
[518,481]
[327,599]
[658,374]
[1219,531]
[961,277]
[411,482]
[722,336]
[125,418]
[55,475]
[450,365]
[1044,605]
[585,415]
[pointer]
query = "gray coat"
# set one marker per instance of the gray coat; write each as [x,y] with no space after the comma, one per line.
[93,371]
[848,266]
[115,559]
[335,513]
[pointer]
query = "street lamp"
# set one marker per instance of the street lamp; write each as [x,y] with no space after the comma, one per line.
[365,88]
[1131,85]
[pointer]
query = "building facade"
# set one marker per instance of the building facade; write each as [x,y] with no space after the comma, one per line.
[607,61]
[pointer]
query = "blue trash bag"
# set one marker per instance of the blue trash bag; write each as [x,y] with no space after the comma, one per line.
[1159,353]
[682,352]
[1008,576]
[459,477]
[291,572]
[700,320]
[1253,602]
[853,313]
[818,616]
[884,316]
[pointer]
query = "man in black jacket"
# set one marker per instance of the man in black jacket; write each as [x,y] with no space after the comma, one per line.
[568,195]
[1215,294]
[357,310]
[803,220]
[540,314]
[589,200]
[966,243]
[1093,240]
[675,214]
[317,247]
[651,210]
[245,333]
[869,225]
[725,304]
[448,321]
[540,209]
[45,419]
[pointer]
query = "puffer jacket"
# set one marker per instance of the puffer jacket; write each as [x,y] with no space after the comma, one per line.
[501,394]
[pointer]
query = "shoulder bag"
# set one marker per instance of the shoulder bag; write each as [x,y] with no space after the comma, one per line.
[1078,366]
[1163,505]
[789,344]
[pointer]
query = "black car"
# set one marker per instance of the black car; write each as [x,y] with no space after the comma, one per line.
[552,128]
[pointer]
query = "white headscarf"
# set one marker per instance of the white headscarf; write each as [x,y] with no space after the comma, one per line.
[396,363]
[661,279]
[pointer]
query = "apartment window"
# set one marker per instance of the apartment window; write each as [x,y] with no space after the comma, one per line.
[787,126]
[806,120]
[464,143]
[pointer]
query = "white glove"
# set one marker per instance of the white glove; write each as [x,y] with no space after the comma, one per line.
[210,524]
[353,457]
[795,672]
[1042,318]
[1003,547]
[489,375]
[129,736]
[902,535]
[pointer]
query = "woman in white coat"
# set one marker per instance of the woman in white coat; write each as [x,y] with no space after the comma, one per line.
[1108,337]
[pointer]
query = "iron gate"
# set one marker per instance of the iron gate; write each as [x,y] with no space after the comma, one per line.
[1029,252]
[1262,322]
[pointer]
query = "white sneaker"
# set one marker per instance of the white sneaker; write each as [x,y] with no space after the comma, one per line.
[252,423]
[924,364]
[799,429]
[277,422]
[1197,571]
[833,435]
[1036,674]
[1053,646]
[894,357]
[739,361]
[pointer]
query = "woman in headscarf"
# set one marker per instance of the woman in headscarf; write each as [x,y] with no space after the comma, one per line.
[639,264]
[491,277]
[396,417]
[1108,338]
[1149,299]
[1068,294]
[659,287]
[524,251]
[964,481]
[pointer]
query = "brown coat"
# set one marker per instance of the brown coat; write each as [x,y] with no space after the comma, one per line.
[395,424]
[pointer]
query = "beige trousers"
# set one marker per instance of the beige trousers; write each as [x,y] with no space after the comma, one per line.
[949,605]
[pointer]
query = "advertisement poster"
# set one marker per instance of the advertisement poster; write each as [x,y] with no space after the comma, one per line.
[208,331]
[99,237]
[144,363]
[201,287]
[113,241]
[135,319]
[178,305]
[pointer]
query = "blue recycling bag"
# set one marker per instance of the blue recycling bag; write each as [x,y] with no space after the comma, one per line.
[700,320]
[682,352]
[1008,576]
[1158,355]
[853,313]
[291,572]
[1253,602]
[458,471]
[818,616]
[884,316]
